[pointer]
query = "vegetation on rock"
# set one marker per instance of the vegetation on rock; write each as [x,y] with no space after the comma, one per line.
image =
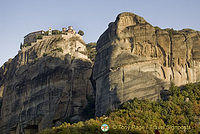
[174,115]
[55,32]
[171,31]
[80,32]
[39,37]
[91,50]
[44,54]
[157,28]
[26,45]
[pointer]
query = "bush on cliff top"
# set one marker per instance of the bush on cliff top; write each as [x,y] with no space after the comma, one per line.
[80,32]
[175,115]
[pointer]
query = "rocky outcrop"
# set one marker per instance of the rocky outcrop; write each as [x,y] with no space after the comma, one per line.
[45,83]
[135,59]
[49,82]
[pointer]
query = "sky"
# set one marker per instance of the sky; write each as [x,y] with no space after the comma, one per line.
[20,17]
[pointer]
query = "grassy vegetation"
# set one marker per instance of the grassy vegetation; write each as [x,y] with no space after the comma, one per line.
[174,115]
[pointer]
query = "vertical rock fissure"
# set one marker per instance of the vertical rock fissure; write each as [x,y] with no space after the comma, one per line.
[123,78]
[171,51]
[131,40]
[164,54]
[187,57]
[172,72]
[187,48]
[163,72]
[162,50]
[67,112]
[186,70]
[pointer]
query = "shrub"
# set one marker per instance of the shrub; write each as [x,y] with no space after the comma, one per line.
[54,32]
[46,33]
[157,28]
[44,54]
[171,31]
[39,37]
[91,50]
[80,32]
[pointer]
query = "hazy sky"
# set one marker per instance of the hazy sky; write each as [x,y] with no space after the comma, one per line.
[20,17]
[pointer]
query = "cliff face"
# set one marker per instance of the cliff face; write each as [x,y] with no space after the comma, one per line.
[45,83]
[49,81]
[135,59]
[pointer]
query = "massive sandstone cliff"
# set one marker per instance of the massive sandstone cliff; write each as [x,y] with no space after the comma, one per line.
[49,81]
[45,83]
[135,59]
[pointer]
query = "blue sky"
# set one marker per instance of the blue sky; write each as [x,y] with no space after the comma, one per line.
[20,17]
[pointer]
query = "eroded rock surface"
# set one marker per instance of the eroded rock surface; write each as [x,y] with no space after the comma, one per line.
[135,59]
[45,83]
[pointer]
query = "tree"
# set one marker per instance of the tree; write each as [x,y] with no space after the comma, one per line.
[39,37]
[81,32]
[54,32]
[91,50]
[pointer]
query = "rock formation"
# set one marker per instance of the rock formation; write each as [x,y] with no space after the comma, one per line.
[135,59]
[49,82]
[45,83]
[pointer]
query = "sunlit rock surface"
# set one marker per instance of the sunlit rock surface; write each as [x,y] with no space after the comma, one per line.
[135,59]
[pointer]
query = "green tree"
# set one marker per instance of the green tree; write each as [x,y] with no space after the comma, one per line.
[54,32]
[39,37]
[80,32]
[91,50]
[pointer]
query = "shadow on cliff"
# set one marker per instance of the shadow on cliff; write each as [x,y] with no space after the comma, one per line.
[51,102]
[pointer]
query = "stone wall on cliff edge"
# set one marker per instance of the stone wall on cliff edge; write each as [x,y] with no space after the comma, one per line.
[45,83]
[135,59]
